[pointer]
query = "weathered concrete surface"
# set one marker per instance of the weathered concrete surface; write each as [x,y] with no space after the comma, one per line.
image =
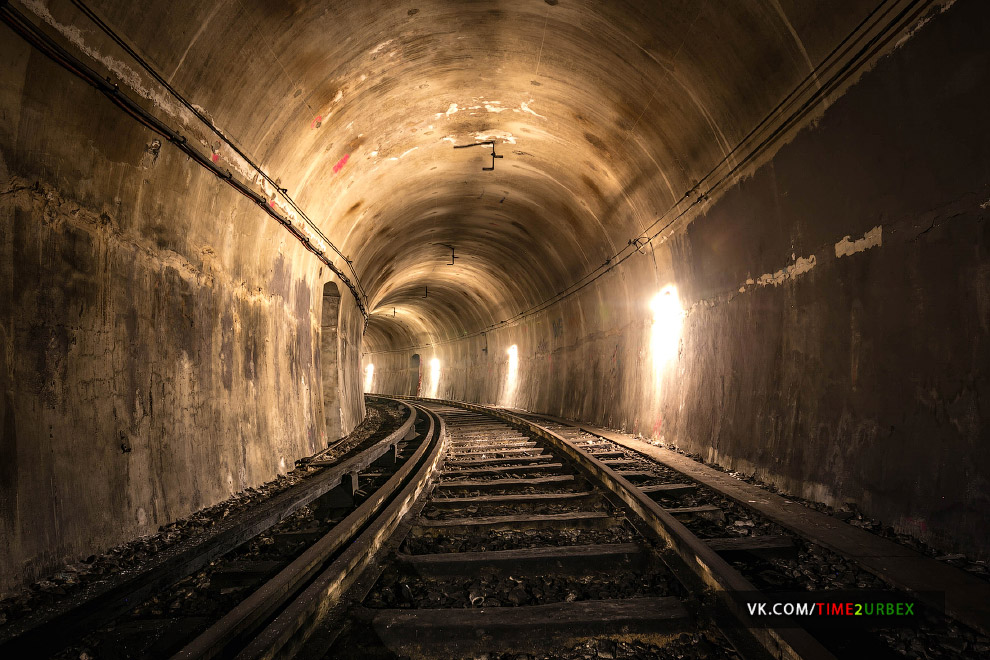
[188,298]
[328,359]
[160,337]
[834,359]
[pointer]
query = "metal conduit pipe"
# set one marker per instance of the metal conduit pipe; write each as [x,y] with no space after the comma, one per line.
[42,42]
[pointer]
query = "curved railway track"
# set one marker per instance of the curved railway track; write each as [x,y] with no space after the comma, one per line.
[483,533]
[526,544]
[517,548]
[150,611]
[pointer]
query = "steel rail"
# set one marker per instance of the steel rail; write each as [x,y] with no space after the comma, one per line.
[970,609]
[50,630]
[706,564]
[300,597]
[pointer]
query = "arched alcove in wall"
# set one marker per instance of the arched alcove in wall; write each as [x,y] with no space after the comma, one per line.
[329,361]
[417,373]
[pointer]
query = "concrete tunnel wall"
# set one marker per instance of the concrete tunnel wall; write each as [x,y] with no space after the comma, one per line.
[160,335]
[162,338]
[836,311]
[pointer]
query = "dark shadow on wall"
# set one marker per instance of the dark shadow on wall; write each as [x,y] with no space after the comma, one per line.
[330,362]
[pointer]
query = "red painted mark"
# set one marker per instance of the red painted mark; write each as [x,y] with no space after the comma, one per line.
[317,120]
[215,157]
[658,425]
[340,163]
[271,203]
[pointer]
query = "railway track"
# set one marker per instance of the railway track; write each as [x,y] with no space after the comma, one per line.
[151,610]
[518,549]
[487,534]
[779,549]
[526,545]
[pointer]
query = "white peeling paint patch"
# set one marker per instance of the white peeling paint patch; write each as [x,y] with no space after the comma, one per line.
[374,153]
[127,75]
[201,110]
[363,77]
[524,106]
[338,96]
[131,78]
[505,136]
[451,110]
[495,106]
[924,21]
[449,138]
[872,238]
[377,49]
[403,154]
[800,266]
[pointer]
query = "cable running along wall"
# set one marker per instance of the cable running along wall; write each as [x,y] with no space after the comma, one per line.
[887,21]
[37,38]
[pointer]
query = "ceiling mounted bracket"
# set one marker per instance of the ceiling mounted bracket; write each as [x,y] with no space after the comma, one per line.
[478,144]
[452,255]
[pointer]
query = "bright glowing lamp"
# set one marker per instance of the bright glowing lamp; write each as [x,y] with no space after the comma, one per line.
[512,376]
[369,377]
[434,377]
[665,334]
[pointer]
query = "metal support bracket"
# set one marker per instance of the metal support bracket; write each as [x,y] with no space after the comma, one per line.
[477,144]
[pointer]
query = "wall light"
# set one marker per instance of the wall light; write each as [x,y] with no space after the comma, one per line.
[512,377]
[369,377]
[434,378]
[665,334]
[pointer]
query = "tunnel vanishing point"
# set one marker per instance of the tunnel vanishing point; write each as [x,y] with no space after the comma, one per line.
[752,230]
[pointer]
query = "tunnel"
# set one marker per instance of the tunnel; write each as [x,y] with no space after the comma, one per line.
[751,234]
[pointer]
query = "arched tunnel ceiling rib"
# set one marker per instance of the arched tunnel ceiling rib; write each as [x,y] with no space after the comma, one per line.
[605,113]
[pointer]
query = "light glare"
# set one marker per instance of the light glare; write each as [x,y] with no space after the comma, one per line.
[512,377]
[369,377]
[434,378]
[665,334]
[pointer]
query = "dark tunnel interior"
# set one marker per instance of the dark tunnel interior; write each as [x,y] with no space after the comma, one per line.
[754,232]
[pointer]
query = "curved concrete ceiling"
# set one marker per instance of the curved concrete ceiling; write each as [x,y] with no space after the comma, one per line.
[606,113]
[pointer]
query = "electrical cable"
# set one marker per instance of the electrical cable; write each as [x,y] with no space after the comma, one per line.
[827,63]
[89,13]
[35,37]
[72,64]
